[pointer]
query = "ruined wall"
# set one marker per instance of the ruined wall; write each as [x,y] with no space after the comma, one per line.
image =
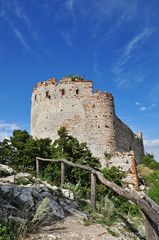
[88,116]
[125,162]
[126,140]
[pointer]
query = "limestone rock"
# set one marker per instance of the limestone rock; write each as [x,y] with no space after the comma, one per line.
[6,169]
[17,198]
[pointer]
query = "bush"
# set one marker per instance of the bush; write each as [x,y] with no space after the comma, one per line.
[154,193]
[154,165]
[147,159]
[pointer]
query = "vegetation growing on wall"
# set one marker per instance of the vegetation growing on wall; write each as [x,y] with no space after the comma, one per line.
[73,78]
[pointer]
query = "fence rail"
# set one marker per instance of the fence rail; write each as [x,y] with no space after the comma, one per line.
[63,162]
[148,207]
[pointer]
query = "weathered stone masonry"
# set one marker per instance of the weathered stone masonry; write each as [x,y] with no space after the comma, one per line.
[88,116]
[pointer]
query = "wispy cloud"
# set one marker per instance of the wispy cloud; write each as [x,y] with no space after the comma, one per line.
[19,11]
[131,47]
[123,78]
[152,106]
[95,68]
[16,31]
[137,103]
[67,37]
[20,37]
[152,146]
[8,126]
[6,129]
[142,108]
[135,41]
[70,4]
[154,94]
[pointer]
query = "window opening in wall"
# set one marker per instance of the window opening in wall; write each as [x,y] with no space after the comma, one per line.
[62,91]
[35,97]
[47,94]
[77,91]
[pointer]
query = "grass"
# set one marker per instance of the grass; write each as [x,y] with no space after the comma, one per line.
[114,234]
[11,229]
[143,170]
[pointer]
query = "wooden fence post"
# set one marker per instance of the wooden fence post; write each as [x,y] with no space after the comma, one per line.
[62,174]
[37,167]
[152,230]
[93,191]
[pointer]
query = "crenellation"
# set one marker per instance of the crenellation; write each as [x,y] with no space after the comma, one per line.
[88,116]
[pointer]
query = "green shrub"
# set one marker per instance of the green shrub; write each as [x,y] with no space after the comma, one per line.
[154,165]
[152,179]
[108,155]
[154,193]
[4,173]
[147,159]
[73,78]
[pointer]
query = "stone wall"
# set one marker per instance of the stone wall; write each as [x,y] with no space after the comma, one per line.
[88,116]
[126,140]
[125,162]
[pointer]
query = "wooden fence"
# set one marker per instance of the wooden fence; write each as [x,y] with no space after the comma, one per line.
[149,208]
[63,162]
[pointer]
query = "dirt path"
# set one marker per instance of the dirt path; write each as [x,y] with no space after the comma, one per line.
[72,228]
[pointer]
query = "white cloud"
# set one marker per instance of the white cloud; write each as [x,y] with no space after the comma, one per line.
[8,126]
[131,46]
[137,103]
[128,53]
[69,4]
[152,106]
[152,143]
[6,129]
[4,135]
[67,37]
[143,108]
[152,146]
[17,33]
[95,68]
[135,41]
[155,92]
[21,39]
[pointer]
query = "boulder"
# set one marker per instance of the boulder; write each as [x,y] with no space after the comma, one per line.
[18,200]
[6,171]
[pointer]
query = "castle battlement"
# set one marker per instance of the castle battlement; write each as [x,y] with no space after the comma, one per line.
[88,116]
[80,87]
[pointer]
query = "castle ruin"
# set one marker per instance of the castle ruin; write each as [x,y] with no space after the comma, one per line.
[88,116]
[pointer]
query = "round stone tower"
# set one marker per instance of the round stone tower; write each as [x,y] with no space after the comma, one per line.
[88,116]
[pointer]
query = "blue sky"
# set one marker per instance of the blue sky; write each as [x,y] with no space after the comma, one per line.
[115,43]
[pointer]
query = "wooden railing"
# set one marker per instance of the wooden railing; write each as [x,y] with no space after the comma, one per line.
[148,207]
[63,162]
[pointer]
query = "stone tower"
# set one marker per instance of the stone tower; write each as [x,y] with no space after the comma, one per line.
[88,116]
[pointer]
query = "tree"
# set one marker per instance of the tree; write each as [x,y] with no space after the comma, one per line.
[7,152]
[21,150]
[69,148]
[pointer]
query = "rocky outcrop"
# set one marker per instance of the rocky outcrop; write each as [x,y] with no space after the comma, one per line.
[17,200]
